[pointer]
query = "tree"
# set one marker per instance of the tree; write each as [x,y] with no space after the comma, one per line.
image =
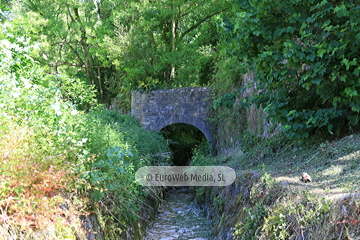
[305,56]
[119,46]
[165,42]
[74,31]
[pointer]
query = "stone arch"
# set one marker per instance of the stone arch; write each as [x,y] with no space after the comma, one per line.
[158,109]
[196,122]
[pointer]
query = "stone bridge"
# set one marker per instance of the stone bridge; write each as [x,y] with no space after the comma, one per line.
[158,109]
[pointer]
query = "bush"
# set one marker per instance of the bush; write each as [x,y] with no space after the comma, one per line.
[251,226]
[305,58]
[62,155]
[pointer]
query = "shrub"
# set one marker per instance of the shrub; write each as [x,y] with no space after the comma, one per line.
[62,155]
[305,58]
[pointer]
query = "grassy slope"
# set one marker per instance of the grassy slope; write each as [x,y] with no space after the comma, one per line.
[290,211]
[333,166]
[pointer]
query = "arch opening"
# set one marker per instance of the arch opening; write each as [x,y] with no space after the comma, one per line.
[184,140]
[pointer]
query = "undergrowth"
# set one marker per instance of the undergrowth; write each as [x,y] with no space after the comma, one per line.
[65,157]
[278,205]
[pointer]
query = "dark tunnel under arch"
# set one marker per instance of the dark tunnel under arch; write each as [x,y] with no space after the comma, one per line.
[196,122]
[184,141]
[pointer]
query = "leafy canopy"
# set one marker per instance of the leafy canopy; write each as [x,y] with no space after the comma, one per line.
[305,55]
[59,147]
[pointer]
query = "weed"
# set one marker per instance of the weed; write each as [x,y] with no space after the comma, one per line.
[250,227]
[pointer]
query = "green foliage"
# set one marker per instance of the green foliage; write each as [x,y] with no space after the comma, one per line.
[226,100]
[283,217]
[70,40]
[62,154]
[170,43]
[105,174]
[117,47]
[305,56]
[37,148]
[228,114]
[251,226]
[112,129]
[299,212]
[275,226]
[202,193]
[77,92]
[219,203]
[115,147]
[249,140]
[305,214]
[201,155]
[184,140]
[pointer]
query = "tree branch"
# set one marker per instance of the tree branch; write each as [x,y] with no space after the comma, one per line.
[192,9]
[56,64]
[68,8]
[77,55]
[193,27]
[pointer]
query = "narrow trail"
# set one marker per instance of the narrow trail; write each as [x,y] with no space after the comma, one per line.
[179,217]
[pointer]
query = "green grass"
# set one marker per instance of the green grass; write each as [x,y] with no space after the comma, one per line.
[272,201]
[334,166]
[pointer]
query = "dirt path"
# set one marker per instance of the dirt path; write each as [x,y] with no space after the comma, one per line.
[179,218]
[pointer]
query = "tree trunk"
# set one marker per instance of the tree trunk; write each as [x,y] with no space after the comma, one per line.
[173,49]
